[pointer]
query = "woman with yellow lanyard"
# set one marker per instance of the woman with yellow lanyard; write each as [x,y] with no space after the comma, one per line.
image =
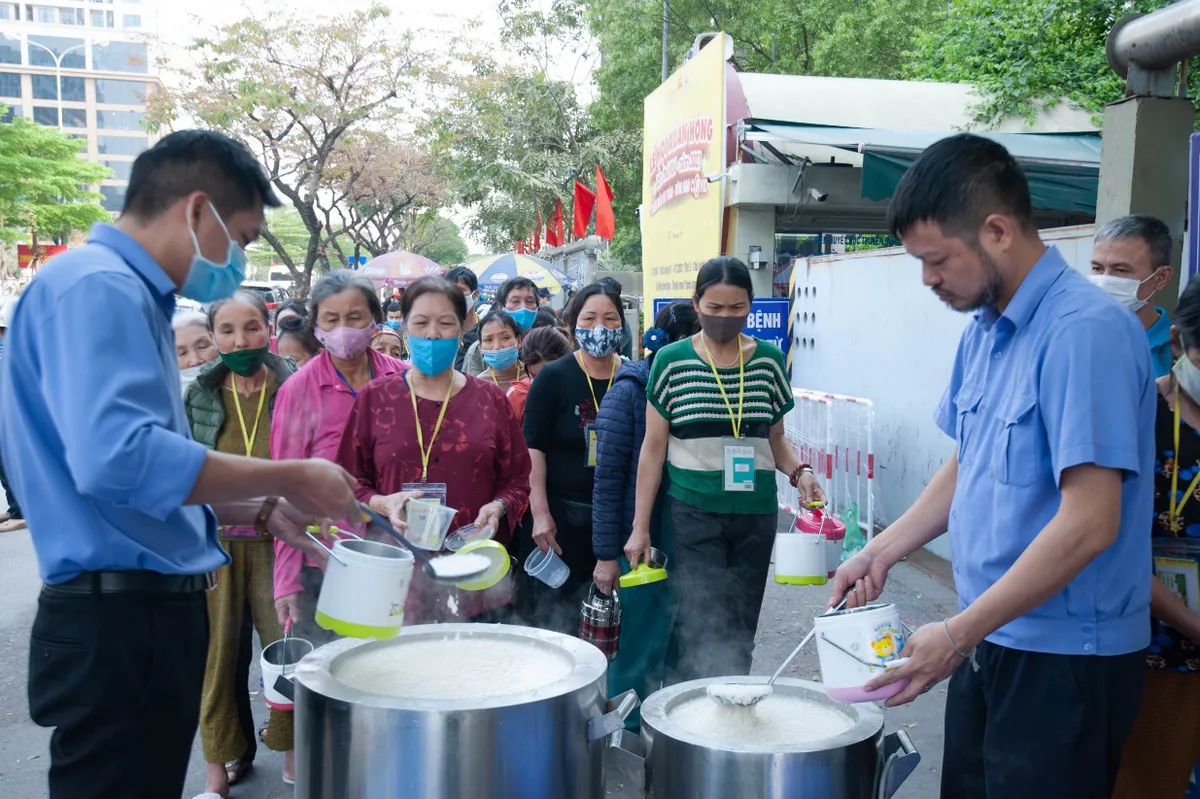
[717,401]
[499,338]
[560,428]
[229,408]
[1164,746]
[437,434]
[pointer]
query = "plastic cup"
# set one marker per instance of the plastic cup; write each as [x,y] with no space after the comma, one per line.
[468,534]
[548,567]
[428,523]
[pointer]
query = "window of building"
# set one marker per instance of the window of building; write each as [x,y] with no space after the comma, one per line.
[10,11]
[10,49]
[120,145]
[9,113]
[131,20]
[46,14]
[74,117]
[119,120]
[102,19]
[70,16]
[45,115]
[45,87]
[57,45]
[121,169]
[114,198]
[10,84]
[120,57]
[74,90]
[120,92]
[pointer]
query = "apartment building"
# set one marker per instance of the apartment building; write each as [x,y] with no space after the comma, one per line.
[86,66]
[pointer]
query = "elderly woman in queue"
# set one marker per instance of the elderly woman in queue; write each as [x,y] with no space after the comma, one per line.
[1164,744]
[560,428]
[390,342]
[499,335]
[539,347]
[229,408]
[716,402]
[434,432]
[518,296]
[649,610]
[194,346]
[311,412]
[295,340]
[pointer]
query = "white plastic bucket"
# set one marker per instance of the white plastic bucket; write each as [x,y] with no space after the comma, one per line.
[279,659]
[428,522]
[872,633]
[801,558]
[365,586]
[834,541]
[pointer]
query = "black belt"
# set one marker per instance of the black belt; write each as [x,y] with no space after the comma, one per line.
[123,582]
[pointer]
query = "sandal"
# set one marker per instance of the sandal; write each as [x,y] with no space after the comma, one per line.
[237,770]
[262,732]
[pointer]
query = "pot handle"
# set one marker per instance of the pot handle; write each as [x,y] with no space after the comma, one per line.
[900,759]
[619,709]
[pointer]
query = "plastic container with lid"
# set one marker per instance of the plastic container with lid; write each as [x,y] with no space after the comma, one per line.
[816,521]
[646,573]
[855,646]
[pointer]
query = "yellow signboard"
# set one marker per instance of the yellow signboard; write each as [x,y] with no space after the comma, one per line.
[683,146]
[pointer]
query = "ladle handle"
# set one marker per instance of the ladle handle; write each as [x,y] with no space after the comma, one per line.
[386,526]
[806,639]
[325,547]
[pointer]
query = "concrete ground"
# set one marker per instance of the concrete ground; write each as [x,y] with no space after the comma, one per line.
[920,588]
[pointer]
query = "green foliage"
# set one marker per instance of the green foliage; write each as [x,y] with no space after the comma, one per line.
[290,232]
[447,246]
[45,190]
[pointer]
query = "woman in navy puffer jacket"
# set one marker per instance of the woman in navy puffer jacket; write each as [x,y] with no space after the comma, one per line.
[649,610]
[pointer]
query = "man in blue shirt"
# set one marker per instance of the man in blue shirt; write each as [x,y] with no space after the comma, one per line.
[1131,261]
[1051,404]
[122,504]
[12,520]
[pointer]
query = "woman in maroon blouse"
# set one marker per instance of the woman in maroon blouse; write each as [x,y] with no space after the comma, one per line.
[459,433]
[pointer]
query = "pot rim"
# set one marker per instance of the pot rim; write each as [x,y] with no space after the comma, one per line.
[315,672]
[868,719]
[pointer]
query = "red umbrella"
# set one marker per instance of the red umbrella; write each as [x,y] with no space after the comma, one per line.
[399,269]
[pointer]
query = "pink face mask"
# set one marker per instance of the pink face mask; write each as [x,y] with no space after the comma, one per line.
[347,343]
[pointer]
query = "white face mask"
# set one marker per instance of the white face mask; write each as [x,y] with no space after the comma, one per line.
[187,376]
[1123,289]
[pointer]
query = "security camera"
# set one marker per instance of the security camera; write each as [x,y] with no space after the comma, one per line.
[818,195]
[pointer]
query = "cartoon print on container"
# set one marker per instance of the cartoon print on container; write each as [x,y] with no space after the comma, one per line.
[886,642]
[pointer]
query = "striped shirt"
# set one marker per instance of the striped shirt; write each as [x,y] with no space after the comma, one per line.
[684,390]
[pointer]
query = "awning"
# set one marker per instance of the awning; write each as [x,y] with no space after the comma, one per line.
[1063,169]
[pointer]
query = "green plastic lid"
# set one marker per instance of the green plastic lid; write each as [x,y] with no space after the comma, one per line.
[644,574]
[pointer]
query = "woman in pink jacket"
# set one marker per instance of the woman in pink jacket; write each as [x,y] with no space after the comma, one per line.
[311,410]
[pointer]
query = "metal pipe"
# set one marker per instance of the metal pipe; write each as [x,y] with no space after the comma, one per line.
[666,15]
[1155,41]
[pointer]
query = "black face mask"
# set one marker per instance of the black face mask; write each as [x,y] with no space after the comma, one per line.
[722,329]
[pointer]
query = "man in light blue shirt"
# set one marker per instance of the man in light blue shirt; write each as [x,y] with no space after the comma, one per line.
[1131,261]
[122,504]
[1051,404]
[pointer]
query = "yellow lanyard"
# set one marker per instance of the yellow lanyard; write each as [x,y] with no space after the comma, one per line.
[712,363]
[1177,509]
[596,402]
[426,453]
[492,372]
[237,403]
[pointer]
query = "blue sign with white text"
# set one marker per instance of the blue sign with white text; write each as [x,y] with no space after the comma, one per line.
[768,319]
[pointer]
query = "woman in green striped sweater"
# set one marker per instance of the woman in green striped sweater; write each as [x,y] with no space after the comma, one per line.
[716,406]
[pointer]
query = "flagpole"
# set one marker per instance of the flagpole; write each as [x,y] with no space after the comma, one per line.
[666,12]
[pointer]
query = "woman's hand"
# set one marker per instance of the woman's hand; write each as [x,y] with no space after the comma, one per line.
[288,607]
[637,548]
[545,533]
[490,514]
[392,506]
[810,490]
[605,575]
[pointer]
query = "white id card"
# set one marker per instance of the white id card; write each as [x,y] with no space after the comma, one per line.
[739,466]
[434,492]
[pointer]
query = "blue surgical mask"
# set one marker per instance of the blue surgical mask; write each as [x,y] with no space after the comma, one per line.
[500,359]
[208,281]
[524,317]
[394,324]
[600,341]
[432,356]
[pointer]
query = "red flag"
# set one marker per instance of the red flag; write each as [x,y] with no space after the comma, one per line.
[537,232]
[606,223]
[519,246]
[582,213]
[554,230]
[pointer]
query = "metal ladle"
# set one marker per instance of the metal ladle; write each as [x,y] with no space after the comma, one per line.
[443,568]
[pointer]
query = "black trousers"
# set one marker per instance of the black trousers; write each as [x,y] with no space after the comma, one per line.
[118,677]
[242,693]
[1038,726]
[719,570]
[14,508]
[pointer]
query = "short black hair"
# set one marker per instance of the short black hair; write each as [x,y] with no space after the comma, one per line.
[544,344]
[336,282]
[575,306]
[394,305]
[609,280]
[292,304]
[723,270]
[956,184]
[297,328]
[544,318]
[197,160]
[461,274]
[511,285]
[1187,315]
[436,285]
[1149,229]
[500,316]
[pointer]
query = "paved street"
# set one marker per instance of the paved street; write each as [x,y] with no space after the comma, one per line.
[787,614]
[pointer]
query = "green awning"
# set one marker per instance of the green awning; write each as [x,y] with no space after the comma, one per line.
[1063,169]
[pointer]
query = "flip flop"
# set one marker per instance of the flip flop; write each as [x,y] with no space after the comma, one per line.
[236,770]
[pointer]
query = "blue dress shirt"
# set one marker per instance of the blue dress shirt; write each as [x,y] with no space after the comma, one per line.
[1061,378]
[1159,334]
[94,436]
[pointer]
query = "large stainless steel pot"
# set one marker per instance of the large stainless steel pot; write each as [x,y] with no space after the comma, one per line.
[860,763]
[544,744]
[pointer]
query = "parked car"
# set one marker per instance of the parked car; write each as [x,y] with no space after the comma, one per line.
[272,294]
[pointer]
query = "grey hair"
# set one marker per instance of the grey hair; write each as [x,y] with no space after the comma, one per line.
[185,319]
[338,281]
[1149,229]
